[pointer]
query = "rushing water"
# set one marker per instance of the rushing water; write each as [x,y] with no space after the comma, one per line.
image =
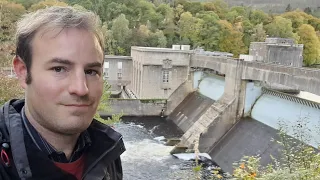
[147,158]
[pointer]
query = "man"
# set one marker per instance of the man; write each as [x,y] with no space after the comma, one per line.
[51,134]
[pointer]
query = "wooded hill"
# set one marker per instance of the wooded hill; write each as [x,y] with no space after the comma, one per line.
[274,6]
[214,25]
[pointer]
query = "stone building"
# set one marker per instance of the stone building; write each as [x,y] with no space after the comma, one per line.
[277,50]
[157,72]
[117,72]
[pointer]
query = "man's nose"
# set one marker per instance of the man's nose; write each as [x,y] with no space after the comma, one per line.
[78,84]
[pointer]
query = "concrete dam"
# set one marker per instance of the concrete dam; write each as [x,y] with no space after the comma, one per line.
[252,134]
[233,107]
[200,109]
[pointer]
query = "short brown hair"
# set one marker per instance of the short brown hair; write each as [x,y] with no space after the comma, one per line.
[50,18]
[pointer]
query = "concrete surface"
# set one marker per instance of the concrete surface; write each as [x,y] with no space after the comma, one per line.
[305,79]
[247,138]
[190,110]
[178,96]
[136,107]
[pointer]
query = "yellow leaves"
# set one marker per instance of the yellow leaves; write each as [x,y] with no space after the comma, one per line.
[209,6]
[297,17]
[247,169]
[230,39]
[253,174]
[12,6]
[10,12]
[311,49]
[216,174]
[47,3]
[9,89]
[242,166]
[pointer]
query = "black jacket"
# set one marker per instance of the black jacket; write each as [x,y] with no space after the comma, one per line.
[27,162]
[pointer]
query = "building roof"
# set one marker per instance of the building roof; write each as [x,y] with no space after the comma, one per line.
[118,57]
[156,49]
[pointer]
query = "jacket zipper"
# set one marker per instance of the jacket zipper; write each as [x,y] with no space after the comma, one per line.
[99,159]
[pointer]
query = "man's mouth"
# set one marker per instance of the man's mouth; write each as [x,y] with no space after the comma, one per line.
[77,105]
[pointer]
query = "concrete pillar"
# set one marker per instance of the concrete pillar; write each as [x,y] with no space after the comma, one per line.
[235,88]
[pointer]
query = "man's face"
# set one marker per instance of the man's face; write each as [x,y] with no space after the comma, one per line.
[67,82]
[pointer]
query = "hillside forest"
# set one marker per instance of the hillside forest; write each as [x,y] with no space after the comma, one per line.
[212,25]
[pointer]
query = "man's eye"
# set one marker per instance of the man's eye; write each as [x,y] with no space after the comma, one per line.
[59,69]
[91,72]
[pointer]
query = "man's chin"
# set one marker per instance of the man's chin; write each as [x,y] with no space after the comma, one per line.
[72,130]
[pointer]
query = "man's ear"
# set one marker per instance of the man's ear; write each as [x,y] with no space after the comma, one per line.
[20,70]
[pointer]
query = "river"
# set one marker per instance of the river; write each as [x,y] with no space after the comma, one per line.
[147,158]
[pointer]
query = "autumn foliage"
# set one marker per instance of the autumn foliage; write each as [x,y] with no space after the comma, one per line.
[9,89]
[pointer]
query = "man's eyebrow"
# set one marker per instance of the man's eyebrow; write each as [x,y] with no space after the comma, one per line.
[68,62]
[94,64]
[60,61]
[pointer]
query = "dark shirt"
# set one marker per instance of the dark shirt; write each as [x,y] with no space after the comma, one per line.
[82,144]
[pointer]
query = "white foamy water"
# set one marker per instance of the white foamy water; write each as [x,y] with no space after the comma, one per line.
[147,158]
[149,150]
[191,156]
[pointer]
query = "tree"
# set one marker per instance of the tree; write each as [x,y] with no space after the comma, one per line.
[104,106]
[209,31]
[110,11]
[221,8]
[87,4]
[297,18]
[46,3]
[242,11]
[189,27]
[307,10]
[192,7]
[10,12]
[316,13]
[26,3]
[280,27]
[177,12]
[230,40]
[231,16]
[121,33]
[165,10]
[167,24]
[315,22]
[258,16]
[9,89]
[157,39]
[311,49]
[288,9]
[247,29]
[209,6]
[147,13]
[259,34]
[110,43]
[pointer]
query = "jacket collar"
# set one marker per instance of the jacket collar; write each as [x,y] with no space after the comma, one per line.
[102,152]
